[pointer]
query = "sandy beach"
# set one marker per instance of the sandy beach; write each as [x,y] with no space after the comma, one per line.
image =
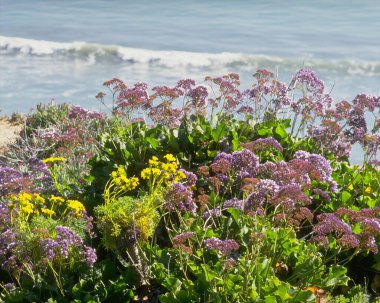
[8,132]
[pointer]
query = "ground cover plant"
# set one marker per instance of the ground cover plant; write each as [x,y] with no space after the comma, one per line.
[194,193]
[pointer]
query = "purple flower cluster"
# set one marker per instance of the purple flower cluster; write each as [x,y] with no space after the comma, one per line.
[133,98]
[233,203]
[66,241]
[264,144]
[263,191]
[191,178]
[307,77]
[183,237]
[10,180]
[179,197]
[289,197]
[245,163]
[321,164]
[89,255]
[214,213]
[225,247]
[78,112]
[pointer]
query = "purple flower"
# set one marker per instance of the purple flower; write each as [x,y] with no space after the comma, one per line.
[183,237]
[349,241]
[245,163]
[330,223]
[179,197]
[321,164]
[89,255]
[233,203]
[322,193]
[215,213]
[133,98]
[263,191]
[263,144]
[289,196]
[307,77]
[191,178]
[225,247]
[60,246]
[77,112]
[10,180]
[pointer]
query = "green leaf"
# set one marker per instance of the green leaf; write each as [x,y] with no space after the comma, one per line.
[270,299]
[345,196]
[235,214]
[280,131]
[153,142]
[304,296]
[337,276]
[172,284]
[282,291]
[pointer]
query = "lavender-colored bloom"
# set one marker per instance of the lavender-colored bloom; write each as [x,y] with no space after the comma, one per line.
[371,225]
[321,164]
[349,241]
[322,193]
[368,241]
[60,246]
[263,144]
[214,213]
[233,203]
[132,98]
[40,175]
[369,102]
[49,248]
[288,196]
[81,113]
[223,155]
[9,180]
[191,178]
[89,255]
[245,163]
[307,77]
[225,247]
[179,197]
[183,237]
[322,240]
[265,189]
[330,223]
[221,166]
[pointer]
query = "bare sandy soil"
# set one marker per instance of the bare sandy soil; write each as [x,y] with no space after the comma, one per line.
[8,133]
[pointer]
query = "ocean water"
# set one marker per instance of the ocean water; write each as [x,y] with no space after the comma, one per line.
[65,50]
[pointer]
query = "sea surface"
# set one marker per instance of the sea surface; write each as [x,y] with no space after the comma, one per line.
[65,50]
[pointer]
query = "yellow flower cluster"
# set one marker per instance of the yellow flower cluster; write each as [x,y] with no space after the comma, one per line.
[76,206]
[47,211]
[55,199]
[121,180]
[168,170]
[30,203]
[54,159]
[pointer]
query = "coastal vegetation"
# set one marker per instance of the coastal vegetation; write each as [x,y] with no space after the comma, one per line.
[194,193]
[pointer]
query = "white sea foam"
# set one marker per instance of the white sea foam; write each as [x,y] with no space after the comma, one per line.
[93,52]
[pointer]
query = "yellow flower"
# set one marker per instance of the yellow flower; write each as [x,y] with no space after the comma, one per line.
[170,158]
[28,208]
[39,199]
[76,205]
[146,173]
[350,187]
[54,159]
[56,199]
[24,198]
[47,211]
[368,190]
